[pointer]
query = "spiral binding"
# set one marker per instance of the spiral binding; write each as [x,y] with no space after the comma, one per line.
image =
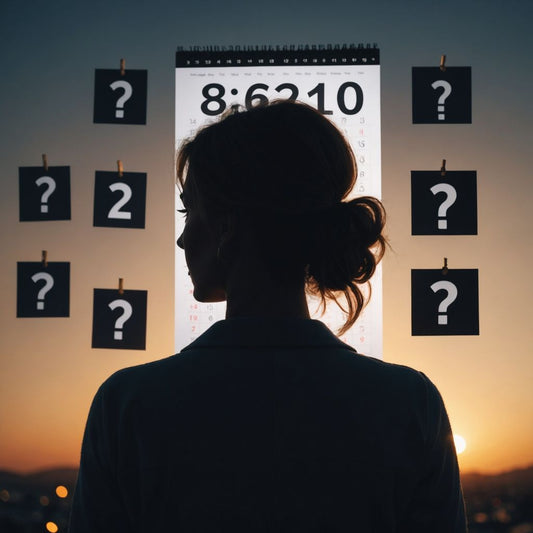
[276,55]
[278,48]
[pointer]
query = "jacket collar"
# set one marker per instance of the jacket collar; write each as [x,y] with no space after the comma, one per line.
[267,332]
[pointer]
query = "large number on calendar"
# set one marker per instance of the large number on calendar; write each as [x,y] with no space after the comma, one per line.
[349,97]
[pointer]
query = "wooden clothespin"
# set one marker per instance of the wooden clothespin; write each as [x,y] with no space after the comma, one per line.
[442,63]
[445,267]
[120,168]
[44,258]
[122,67]
[45,163]
[443,168]
[121,286]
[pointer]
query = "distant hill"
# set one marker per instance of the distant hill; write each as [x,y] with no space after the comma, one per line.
[43,479]
[514,482]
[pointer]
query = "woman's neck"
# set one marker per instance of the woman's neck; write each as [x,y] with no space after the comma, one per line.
[252,291]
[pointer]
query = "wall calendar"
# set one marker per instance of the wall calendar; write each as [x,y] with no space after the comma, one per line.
[342,82]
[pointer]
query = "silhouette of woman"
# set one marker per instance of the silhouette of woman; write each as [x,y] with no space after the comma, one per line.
[268,422]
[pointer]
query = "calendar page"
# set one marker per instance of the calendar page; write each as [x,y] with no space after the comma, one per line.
[343,83]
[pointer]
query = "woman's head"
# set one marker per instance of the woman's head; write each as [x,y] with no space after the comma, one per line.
[284,156]
[282,171]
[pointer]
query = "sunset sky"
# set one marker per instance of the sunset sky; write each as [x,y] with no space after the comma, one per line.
[48,370]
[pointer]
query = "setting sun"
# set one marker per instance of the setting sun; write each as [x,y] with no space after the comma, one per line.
[460,444]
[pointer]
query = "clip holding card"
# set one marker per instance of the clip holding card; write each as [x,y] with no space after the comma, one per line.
[120,168]
[122,67]
[45,163]
[443,168]
[442,63]
[44,258]
[445,267]
[121,286]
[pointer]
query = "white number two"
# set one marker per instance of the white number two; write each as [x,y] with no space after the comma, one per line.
[115,211]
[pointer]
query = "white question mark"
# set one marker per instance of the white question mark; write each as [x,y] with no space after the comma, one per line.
[128,91]
[123,318]
[442,98]
[46,180]
[49,283]
[451,290]
[451,196]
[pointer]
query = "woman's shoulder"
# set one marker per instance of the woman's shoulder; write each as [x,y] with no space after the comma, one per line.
[140,378]
[384,374]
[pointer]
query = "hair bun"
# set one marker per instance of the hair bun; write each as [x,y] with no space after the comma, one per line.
[347,245]
[368,219]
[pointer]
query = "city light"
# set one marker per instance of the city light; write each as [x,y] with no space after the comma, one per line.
[61,491]
[52,527]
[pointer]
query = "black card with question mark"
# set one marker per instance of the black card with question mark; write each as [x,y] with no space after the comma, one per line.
[43,291]
[44,194]
[444,205]
[444,304]
[119,201]
[119,320]
[120,98]
[442,97]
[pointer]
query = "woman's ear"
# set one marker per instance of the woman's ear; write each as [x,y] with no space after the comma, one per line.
[226,237]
